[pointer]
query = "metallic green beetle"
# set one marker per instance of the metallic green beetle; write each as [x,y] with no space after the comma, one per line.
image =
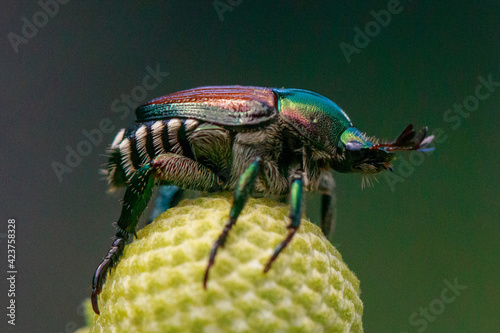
[250,140]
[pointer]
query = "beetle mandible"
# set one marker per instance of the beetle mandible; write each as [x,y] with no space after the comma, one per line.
[249,140]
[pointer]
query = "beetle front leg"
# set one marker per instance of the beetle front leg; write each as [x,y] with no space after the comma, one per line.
[135,201]
[295,215]
[245,185]
[328,203]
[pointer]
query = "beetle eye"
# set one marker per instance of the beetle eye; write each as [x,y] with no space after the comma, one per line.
[353,145]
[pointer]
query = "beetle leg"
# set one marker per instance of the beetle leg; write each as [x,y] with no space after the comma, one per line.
[168,196]
[167,167]
[186,173]
[295,215]
[108,262]
[245,185]
[328,204]
[135,201]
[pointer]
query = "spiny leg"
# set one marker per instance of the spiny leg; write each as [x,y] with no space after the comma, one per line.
[136,198]
[169,168]
[328,204]
[295,215]
[245,186]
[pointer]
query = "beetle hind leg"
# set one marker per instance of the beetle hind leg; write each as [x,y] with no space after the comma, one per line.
[108,262]
[136,198]
[170,168]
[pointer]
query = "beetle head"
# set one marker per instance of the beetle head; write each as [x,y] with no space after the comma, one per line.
[359,153]
[329,130]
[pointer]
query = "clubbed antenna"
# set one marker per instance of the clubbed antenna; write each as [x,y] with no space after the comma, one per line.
[408,140]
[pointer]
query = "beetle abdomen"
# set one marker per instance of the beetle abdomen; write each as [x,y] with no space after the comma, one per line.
[141,143]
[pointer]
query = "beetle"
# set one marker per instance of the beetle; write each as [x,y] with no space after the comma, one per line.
[250,140]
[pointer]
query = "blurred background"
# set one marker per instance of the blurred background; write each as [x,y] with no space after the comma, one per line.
[432,224]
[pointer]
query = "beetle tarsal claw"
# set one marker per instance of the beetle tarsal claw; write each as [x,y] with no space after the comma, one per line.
[95,305]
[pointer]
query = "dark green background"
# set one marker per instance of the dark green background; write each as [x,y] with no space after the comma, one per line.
[442,222]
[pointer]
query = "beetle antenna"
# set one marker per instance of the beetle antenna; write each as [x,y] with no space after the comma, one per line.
[408,140]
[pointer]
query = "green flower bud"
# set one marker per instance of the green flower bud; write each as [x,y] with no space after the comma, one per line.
[157,285]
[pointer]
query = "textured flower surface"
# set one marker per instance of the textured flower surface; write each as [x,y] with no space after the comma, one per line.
[157,286]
